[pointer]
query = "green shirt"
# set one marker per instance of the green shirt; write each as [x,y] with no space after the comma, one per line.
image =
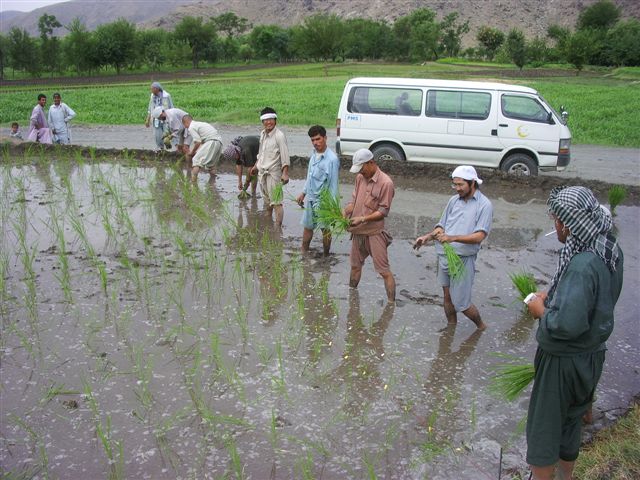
[580,316]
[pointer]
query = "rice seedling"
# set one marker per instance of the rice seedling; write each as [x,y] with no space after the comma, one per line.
[278,193]
[328,212]
[456,267]
[38,443]
[524,282]
[616,194]
[236,462]
[510,379]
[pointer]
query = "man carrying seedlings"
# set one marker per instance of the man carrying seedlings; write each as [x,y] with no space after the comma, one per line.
[159,98]
[272,166]
[464,224]
[206,149]
[322,173]
[370,204]
[173,118]
[38,127]
[576,318]
[60,114]
[244,152]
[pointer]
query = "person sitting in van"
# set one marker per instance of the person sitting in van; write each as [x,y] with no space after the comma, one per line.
[402,106]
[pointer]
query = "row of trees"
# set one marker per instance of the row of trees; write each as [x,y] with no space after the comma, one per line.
[600,38]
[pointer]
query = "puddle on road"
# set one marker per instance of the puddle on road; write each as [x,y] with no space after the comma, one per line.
[155,330]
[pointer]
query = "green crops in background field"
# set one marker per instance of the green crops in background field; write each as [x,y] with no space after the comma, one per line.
[310,93]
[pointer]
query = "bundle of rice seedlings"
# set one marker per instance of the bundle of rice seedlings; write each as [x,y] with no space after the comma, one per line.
[328,213]
[510,379]
[524,282]
[617,194]
[243,195]
[278,193]
[456,267]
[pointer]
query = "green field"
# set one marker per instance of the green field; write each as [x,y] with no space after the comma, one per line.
[603,107]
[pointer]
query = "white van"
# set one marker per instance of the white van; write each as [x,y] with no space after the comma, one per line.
[457,122]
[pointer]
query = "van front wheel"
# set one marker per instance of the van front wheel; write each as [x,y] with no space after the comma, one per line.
[520,164]
[387,151]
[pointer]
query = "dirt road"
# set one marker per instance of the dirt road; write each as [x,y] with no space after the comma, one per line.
[590,162]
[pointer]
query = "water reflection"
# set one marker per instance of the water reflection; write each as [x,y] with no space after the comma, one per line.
[442,387]
[359,371]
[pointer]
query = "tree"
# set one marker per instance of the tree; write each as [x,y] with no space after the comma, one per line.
[4,54]
[559,35]
[516,46]
[152,47]
[451,35]
[601,15]
[321,37]
[23,52]
[622,44]
[491,39]
[416,36]
[231,24]
[366,38]
[270,42]
[49,45]
[198,35]
[115,43]
[537,51]
[77,46]
[579,49]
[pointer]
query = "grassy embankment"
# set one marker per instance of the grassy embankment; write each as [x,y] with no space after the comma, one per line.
[602,106]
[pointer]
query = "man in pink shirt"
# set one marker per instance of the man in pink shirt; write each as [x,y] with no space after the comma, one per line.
[370,204]
[38,127]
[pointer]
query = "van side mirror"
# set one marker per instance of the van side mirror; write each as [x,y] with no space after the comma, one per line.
[564,114]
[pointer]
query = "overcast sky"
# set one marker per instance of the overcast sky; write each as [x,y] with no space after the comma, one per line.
[25,5]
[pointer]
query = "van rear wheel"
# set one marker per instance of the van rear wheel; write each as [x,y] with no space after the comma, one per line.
[520,164]
[387,151]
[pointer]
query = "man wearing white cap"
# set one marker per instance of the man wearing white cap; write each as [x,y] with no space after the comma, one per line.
[370,204]
[159,98]
[272,166]
[465,223]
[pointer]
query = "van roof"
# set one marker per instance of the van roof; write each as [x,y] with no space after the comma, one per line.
[429,82]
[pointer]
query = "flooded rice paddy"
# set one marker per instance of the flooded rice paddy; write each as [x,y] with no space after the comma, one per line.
[155,329]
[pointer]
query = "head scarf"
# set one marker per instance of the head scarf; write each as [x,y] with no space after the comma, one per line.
[589,225]
[233,150]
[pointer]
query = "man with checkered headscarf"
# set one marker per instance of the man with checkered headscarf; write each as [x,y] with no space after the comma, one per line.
[576,318]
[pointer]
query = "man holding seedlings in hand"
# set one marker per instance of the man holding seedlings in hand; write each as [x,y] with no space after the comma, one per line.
[173,118]
[464,224]
[206,149]
[159,98]
[370,204]
[322,173]
[272,166]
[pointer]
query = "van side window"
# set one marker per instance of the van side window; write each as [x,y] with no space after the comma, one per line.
[523,108]
[385,101]
[463,105]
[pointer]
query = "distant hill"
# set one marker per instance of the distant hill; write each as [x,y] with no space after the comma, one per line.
[531,17]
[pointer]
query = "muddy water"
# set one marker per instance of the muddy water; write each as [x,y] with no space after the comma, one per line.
[154,330]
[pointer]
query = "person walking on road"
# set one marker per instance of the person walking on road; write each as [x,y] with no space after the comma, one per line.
[244,152]
[39,130]
[576,318]
[464,224]
[370,204]
[206,147]
[272,166]
[60,114]
[322,173]
[159,98]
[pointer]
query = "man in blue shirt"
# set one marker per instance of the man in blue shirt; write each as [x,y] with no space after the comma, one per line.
[465,223]
[322,173]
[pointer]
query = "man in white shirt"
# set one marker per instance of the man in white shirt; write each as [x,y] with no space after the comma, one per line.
[60,114]
[206,147]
